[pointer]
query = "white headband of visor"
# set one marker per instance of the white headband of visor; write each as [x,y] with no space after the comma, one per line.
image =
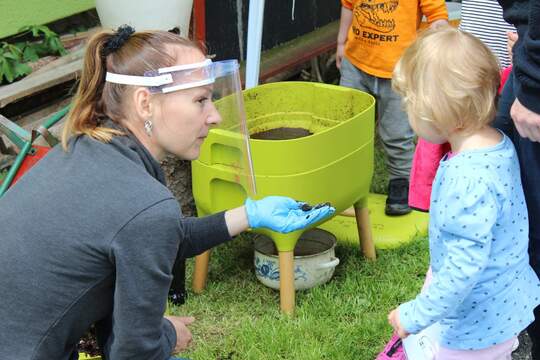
[175,77]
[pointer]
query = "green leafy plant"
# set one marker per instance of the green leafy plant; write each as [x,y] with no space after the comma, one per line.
[12,65]
[50,44]
[14,57]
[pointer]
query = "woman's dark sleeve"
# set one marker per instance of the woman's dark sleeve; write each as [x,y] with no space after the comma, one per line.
[201,234]
[143,253]
[525,15]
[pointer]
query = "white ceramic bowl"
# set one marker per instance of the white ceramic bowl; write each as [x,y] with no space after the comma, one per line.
[314,260]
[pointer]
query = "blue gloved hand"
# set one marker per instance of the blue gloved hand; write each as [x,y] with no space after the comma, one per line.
[283,214]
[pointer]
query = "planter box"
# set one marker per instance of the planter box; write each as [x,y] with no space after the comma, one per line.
[19,13]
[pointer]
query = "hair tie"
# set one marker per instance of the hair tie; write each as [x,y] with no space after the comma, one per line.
[117,40]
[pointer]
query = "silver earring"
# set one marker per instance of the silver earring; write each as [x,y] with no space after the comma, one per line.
[148,127]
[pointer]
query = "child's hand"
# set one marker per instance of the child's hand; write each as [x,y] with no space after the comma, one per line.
[340,51]
[393,319]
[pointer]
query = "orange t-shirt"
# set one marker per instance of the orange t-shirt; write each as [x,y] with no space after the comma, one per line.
[381,30]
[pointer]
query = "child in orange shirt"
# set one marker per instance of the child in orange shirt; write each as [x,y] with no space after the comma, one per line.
[372,36]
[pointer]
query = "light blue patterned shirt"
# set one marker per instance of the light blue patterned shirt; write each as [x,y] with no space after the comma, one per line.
[483,290]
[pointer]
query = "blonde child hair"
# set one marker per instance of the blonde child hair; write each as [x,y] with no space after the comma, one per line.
[450,78]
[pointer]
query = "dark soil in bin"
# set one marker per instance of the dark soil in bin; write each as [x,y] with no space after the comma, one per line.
[304,247]
[307,245]
[282,133]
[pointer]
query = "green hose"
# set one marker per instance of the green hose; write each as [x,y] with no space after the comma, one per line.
[55,117]
[6,181]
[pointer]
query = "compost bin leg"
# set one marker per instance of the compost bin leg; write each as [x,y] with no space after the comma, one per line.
[364,230]
[286,281]
[200,273]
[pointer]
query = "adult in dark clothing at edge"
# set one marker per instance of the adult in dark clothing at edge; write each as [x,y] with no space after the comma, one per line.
[519,117]
[91,233]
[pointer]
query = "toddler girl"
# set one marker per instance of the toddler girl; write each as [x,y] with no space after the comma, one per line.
[482,291]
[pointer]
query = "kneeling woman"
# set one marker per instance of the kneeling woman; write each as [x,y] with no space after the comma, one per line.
[91,233]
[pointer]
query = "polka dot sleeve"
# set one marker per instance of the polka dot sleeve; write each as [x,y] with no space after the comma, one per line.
[465,216]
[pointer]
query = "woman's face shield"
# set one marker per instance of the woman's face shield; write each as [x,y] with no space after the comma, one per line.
[224,79]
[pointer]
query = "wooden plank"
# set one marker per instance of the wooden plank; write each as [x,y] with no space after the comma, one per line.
[298,51]
[76,54]
[39,82]
[63,69]
[273,62]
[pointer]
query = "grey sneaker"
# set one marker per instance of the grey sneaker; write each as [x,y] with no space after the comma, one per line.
[397,202]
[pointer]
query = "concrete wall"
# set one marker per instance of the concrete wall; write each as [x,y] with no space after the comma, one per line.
[14,14]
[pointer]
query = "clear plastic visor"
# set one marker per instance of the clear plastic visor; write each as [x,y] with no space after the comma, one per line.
[223,77]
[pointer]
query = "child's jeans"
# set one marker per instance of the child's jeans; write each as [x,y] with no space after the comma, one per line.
[392,125]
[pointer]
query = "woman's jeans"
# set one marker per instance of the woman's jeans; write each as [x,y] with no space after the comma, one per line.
[529,161]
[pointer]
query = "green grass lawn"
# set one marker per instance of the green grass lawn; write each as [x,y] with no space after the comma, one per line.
[239,318]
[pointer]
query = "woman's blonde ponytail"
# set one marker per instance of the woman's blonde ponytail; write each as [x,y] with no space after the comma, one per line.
[122,53]
[86,108]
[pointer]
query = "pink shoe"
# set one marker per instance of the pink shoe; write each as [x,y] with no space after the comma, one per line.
[393,350]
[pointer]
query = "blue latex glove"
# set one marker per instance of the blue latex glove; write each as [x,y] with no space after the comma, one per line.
[283,214]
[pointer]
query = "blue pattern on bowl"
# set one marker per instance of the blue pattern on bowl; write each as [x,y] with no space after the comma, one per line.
[268,269]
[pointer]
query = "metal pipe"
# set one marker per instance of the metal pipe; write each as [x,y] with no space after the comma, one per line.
[16,134]
[12,131]
[255,29]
